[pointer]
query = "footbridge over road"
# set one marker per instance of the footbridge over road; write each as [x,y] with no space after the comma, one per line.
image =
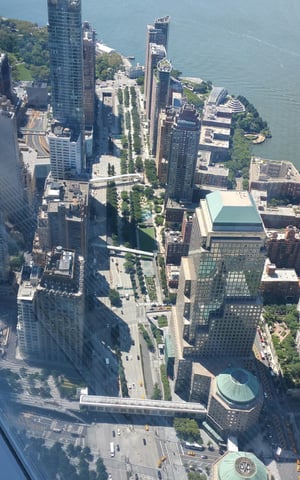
[135,406]
[124,177]
[121,249]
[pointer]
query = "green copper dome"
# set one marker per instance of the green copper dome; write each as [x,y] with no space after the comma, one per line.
[241,466]
[237,385]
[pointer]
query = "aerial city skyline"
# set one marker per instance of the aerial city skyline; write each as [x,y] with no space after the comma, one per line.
[147,251]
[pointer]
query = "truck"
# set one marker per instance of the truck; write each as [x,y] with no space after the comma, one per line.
[112,449]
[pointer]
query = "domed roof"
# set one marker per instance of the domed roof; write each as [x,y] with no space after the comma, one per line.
[237,385]
[240,466]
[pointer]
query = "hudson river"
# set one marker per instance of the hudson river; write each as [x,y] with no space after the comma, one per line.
[251,48]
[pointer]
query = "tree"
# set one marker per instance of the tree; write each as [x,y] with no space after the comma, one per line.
[156,395]
[187,429]
[101,470]
[114,297]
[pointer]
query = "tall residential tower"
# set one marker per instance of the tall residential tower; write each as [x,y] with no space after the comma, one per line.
[183,153]
[66,72]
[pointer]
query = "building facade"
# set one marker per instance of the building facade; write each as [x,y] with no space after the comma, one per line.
[183,152]
[63,216]
[66,71]
[156,34]
[89,74]
[218,303]
[13,201]
[160,97]
[59,307]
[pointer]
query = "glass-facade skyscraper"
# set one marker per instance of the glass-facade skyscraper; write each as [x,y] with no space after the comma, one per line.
[218,303]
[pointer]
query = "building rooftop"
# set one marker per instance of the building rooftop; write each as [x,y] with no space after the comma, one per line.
[233,209]
[264,170]
[241,465]
[237,386]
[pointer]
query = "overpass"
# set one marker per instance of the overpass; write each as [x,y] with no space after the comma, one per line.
[135,406]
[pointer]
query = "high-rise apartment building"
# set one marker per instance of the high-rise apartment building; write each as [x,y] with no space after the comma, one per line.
[160,97]
[164,131]
[182,155]
[157,34]
[28,328]
[51,308]
[89,75]
[65,152]
[218,304]
[59,307]
[63,216]
[66,73]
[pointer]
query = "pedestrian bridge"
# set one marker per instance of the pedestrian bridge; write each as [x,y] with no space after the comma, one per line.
[135,406]
[125,176]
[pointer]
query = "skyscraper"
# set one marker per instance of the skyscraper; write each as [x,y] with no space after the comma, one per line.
[218,304]
[13,204]
[160,97]
[157,34]
[183,152]
[89,65]
[66,72]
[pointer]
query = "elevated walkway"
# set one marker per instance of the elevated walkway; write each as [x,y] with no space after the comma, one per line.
[135,406]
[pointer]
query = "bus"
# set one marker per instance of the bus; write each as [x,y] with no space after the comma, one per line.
[112,449]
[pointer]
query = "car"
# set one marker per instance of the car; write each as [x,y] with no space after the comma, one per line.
[159,474]
[118,447]
[191,453]
[137,357]
[109,476]
[113,433]
[126,357]
[144,441]
[118,432]
[203,456]
[136,477]
[133,385]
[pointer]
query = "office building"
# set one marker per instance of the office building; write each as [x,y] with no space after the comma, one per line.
[160,97]
[63,216]
[4,257]
[66,75]
[5,76]
[183,152]
[235,465]
[13,202]
[59,307]
[218,303]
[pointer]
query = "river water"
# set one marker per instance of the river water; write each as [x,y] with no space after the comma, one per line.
[251,48]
